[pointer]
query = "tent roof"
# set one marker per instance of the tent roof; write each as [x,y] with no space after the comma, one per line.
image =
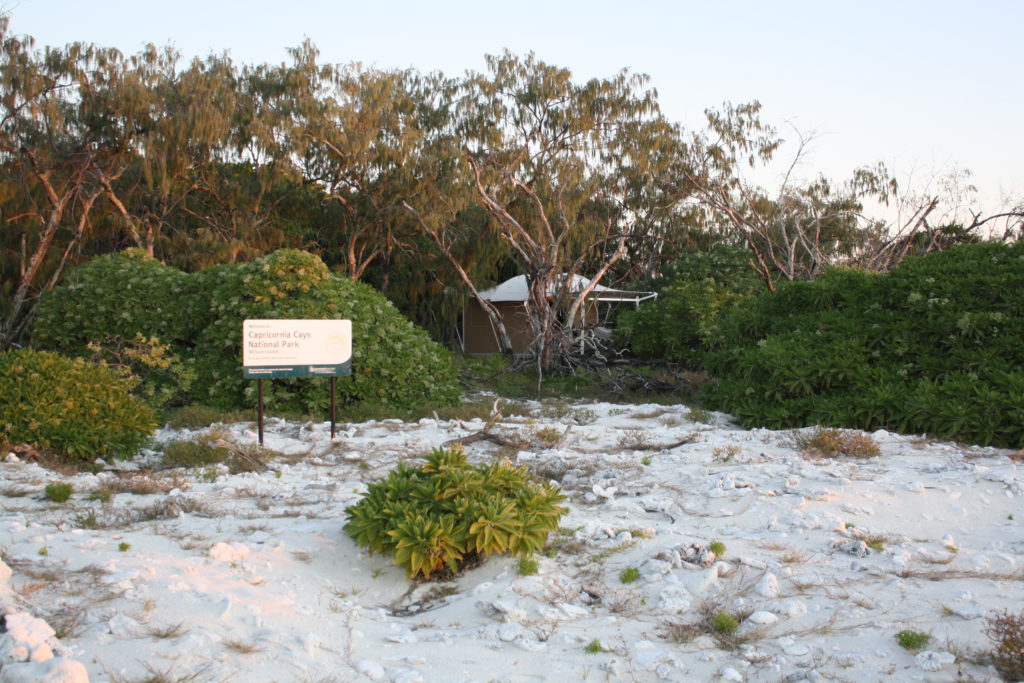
[517,289]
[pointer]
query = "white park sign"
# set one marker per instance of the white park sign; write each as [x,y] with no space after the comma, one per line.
[296,348]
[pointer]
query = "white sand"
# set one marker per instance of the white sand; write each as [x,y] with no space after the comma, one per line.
[251,578]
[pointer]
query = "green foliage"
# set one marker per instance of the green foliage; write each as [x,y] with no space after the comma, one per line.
[912,640]
[59,491]
[446,512]
[629,575]
[528,566]
[394,362]
[125,309]
[934,346]
[1006,630]
[124,546]
[195,452]
[718,548]
[683,323]
[594,647]
[70,405]
[724,623]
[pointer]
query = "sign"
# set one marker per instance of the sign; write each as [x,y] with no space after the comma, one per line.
[296,348]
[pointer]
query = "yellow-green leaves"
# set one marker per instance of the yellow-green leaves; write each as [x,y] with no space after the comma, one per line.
[440,515]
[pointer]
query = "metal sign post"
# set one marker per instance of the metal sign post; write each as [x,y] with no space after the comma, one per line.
[296,348]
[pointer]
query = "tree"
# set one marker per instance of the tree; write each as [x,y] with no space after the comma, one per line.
[548,160]
[55,157]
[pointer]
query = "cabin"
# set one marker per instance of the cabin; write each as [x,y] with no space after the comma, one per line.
[479,336]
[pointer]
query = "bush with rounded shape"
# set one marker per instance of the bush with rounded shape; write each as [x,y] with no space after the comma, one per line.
[115,296]
[443,514]
[70,405]
[125,309]
[394,362]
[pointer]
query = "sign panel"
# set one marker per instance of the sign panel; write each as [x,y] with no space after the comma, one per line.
[296,348]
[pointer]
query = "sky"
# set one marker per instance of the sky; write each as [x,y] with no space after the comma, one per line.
[925,87]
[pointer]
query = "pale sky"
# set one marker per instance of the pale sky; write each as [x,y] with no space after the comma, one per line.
[923,86]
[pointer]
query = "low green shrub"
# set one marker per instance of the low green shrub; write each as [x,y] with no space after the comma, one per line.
[59,491]
[912,640]
[933,346]
[70,406]
[724,623]
[448,512]
[629,575]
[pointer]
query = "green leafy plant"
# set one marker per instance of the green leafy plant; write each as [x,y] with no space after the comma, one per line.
[448,512]
[629,575]
[396,363]
[128,310]
[70,406]
[528,566]
[59,491]
[593,647]
[718,548]
[933,346]
[912,640]
[124,546]
[724,623]
[1006,631]
[683,323]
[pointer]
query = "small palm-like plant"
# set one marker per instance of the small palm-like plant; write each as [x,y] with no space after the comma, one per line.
[448,512]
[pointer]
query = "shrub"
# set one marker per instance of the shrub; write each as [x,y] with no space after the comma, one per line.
[629,575]
[394,362]
[447,512]
[683,323]
[528,566]
[1006,631]
[129,310]
[70,405]
[724,623]
[718,548]
[829,443]
[59,491]
[912,640]
[594,647]
[933,346]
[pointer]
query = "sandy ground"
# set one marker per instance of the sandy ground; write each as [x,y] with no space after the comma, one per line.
[199,575]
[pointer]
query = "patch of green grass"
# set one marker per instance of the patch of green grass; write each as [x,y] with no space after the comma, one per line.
[912,640]
[103,495]
[528,566]
[629,575]
[724,623]
[718,548]
[593,647]
[124,546]
[59,491]
[88,521]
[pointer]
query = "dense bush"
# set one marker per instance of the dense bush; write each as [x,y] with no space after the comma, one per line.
[682,324]
[181,334]
[129,310]
[115,296]
[934,346]
[70,405]
[394,362]
[447,512]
